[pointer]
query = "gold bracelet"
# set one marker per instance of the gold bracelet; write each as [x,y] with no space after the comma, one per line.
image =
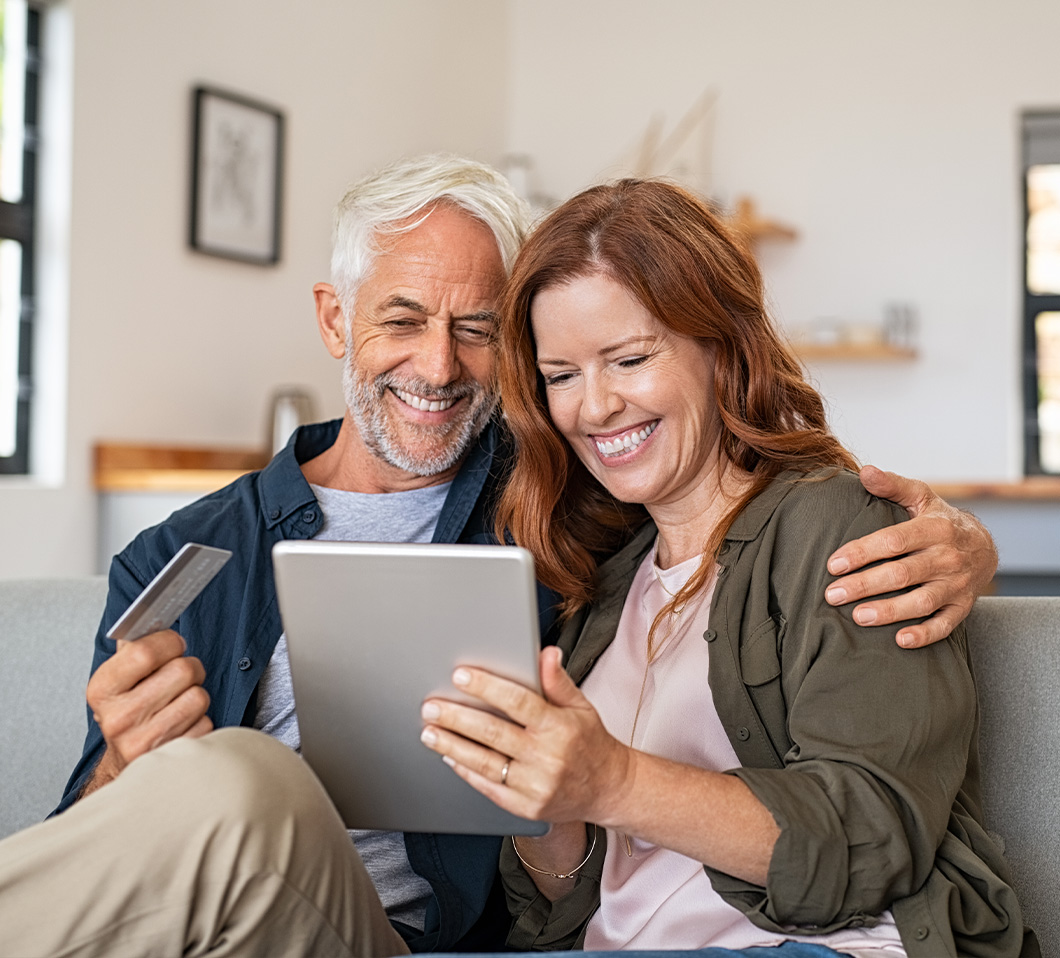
[573,873]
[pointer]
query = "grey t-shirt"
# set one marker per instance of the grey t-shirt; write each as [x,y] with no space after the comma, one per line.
[359,517]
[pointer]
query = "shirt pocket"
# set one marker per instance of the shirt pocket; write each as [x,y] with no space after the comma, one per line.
[760,654]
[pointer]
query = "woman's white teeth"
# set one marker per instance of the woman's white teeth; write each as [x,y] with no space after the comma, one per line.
[620,444]
[418,402]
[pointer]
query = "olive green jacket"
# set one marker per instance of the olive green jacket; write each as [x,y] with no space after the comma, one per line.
[865,754]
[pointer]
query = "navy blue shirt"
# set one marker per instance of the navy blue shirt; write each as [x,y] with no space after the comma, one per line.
[234,625]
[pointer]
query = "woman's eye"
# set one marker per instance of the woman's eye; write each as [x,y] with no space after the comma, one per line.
[556,379]
[632,361]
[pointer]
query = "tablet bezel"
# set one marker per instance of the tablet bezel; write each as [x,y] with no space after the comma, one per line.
[438,606]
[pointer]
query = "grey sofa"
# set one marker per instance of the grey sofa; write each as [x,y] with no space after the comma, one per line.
[46,630]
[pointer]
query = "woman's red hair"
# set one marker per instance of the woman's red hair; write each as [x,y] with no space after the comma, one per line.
[699,279]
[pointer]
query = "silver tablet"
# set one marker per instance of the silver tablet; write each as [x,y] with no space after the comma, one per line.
[375,628]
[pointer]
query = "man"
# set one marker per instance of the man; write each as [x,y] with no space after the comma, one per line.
[224,843]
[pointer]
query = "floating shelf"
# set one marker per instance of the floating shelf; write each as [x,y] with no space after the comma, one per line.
[745,220]
[858,352]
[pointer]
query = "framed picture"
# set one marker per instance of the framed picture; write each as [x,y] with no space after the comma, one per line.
[236,177]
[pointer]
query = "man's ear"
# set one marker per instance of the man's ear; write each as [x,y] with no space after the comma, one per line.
[330,319]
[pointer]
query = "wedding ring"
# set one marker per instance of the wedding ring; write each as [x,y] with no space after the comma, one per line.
[504,772]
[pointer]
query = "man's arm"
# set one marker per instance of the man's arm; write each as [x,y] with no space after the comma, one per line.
[946,553]
[145,694]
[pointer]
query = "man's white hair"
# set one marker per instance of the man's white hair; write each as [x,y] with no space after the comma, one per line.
[377,205]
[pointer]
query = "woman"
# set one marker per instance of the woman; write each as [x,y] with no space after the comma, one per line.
[824,790]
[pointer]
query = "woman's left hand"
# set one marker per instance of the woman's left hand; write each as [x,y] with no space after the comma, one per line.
[553,761]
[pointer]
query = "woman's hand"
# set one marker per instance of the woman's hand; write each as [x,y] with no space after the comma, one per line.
[553,761]
[945,552]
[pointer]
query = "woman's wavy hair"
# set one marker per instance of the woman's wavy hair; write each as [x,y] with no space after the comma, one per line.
[698,277]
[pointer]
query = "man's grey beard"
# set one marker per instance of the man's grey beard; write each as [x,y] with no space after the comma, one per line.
[366,400]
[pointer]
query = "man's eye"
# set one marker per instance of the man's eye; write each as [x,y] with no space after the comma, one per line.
[401,324]
[474,335]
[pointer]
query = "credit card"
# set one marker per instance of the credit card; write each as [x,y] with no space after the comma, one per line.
[170,592]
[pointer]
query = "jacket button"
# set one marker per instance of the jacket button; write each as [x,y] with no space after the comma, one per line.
[921,933]
[710,635]
[244,664]
[309,516]
[274,513]
[743,733]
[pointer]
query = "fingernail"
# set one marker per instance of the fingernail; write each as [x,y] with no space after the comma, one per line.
[839,565]
[837,595]
[906,640]
[430,711]
[865,616]
[461,677]
[428,736]
[448,761]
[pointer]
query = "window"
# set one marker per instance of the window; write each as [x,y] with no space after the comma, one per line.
[1041,291]
[19,96]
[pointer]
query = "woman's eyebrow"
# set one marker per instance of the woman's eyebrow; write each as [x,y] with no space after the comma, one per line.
[628,341]
[606,351]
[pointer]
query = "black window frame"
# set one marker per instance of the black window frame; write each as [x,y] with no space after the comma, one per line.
[18,221]
[1031,143]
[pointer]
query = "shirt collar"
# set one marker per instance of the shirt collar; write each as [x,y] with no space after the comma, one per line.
[284,490]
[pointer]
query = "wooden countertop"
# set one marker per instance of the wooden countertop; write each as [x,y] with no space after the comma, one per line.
[138,467]
[1031,489]
[135,467]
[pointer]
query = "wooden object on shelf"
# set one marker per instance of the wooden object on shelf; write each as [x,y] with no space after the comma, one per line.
[859,352]
[1030,489]
[746,221]
[135,467]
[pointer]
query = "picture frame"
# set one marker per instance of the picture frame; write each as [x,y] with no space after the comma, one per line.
[236,177]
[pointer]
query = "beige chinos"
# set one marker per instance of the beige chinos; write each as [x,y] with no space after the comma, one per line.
[223,845]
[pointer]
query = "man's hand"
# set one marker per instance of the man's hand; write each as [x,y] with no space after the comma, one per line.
[145,694]
[946,552]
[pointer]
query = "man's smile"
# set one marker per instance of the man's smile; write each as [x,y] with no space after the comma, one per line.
[421,402]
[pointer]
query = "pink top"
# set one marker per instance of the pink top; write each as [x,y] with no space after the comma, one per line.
[656,898]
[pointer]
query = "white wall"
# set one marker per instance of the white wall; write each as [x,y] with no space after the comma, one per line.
[167,345]
[886,133]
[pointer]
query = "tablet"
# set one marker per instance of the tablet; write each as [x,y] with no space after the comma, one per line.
[375,628]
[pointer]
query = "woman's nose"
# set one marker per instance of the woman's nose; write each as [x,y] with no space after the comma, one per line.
[600,401]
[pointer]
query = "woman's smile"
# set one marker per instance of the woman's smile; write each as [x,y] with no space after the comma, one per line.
[618,445]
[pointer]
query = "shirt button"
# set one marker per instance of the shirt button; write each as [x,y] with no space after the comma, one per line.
[743,733]
[274,513]
[244,664]
[921,933]
[309,516]
[710,635]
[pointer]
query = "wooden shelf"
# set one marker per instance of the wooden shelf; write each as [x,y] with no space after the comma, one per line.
[133,467]
[745,220]
[858,352]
